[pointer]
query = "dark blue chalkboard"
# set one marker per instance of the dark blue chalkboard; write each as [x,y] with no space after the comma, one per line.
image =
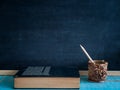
[48,32]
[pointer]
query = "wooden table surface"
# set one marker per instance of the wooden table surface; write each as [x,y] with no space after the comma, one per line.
[112,83]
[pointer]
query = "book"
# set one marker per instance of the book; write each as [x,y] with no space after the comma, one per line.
[47,77]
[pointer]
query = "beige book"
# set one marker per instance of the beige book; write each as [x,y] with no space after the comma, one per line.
[47,77]
[43,82]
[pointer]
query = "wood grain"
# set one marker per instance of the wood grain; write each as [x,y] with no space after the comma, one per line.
[8,72]
[82,72]
[112,73]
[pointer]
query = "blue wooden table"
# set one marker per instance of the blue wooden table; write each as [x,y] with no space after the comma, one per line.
[112,83]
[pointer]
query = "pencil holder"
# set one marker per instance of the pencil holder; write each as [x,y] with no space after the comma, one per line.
[97,72]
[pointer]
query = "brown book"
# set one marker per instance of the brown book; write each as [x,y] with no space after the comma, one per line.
[47,77]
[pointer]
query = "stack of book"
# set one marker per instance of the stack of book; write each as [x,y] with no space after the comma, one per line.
[47,77]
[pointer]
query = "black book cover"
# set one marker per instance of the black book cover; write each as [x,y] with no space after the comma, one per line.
[47,71]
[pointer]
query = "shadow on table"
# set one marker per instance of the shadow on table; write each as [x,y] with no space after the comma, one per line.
[84,79]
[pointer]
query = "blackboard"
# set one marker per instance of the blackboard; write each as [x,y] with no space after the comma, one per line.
[48,32]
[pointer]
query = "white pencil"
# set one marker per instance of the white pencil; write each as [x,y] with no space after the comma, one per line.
[86,53]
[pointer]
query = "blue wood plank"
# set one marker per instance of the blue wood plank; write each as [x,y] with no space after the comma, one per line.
[6,83]
[112,83]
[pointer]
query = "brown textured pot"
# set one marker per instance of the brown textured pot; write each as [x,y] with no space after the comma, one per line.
[97,72]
